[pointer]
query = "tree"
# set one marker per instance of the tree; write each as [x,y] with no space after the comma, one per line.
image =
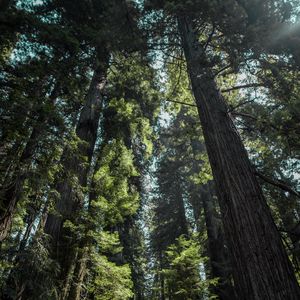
[254,241]
[182,276]
[116,183]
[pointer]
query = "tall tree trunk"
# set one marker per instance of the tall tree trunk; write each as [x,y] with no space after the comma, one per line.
[72,195]
[220,266]
[13,193]
[86,130]
[79,274]
[261,268]
[219,261]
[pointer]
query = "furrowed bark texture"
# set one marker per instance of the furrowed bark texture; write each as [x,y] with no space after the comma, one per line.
[261,268]
[220,266]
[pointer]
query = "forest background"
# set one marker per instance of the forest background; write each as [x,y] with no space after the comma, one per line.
[149,149]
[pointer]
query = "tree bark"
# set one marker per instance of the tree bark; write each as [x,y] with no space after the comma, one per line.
[261,268]
[13,193]
[219,260]
[64,248]
[79,274]
[86,130]
[220,266]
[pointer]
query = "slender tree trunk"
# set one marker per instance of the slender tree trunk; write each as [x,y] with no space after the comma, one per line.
[182,220]
[13,193]
[12,196]
[66,275]
[261,268]
[162,280]
[26,236]
[79,274]
[219,261]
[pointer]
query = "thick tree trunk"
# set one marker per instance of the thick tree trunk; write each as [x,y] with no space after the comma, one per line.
[65,249]
[86,131]
[261,268]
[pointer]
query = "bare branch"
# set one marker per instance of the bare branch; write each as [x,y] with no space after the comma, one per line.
[242,87]
[234,113]
[209,39]
[233,108]
[183,103]
[219,72]
[277,183]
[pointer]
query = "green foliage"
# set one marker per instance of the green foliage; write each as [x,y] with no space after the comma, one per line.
[32,269]
[184,277]
[111,282]
[134,109]
[48,51]
[116,198]
[109,242]
[205,174]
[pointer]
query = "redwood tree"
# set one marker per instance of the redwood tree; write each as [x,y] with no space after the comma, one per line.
[261,267]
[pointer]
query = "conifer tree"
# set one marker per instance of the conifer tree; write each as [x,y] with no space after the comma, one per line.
[149,149]
[222,140]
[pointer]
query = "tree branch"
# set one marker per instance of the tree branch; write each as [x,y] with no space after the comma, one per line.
[209,38]
[241,114]
[221,70]
[183,103]
[233,108]
[277,183]
[244,86]
[234,113]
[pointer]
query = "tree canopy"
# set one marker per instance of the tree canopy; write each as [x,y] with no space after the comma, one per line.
[149,149]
